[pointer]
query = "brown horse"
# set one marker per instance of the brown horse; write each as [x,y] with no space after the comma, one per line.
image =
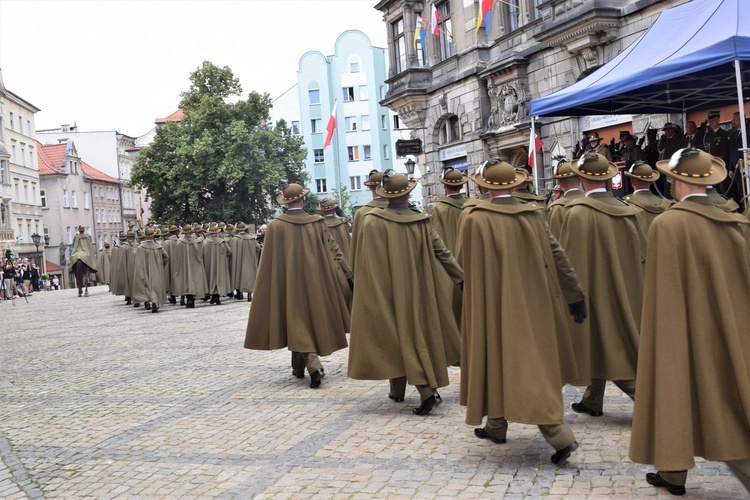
[82,272]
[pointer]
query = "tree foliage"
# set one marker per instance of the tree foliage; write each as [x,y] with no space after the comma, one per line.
[224,161]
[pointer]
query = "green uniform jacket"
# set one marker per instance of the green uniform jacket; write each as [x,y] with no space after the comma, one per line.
[148,278]
[298,300]
[606,244]
[693,386]
[651,204]
[556,211]
[516,350]
[188,273]
[244,262]
[402,323]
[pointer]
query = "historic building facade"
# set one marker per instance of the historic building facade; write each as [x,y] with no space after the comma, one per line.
[466,92]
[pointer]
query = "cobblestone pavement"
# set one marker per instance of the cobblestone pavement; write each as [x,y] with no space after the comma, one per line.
[98,399]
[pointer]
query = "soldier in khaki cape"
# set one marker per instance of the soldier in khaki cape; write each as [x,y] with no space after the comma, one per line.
[130,266]
[606,244]
[694,358]
[522,193]
[336,226]
[570,184]
[641,177]
[402,327]
[244,263]
[169,240]
[188,274]
[372,182]
[721,201]
[150,260]
[216,254]
[503,243]
[299,300]
[104,265]
[119,283]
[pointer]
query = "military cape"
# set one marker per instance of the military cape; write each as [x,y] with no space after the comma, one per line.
[148,278]
[83,250]
[244,262]
[188,274]
[338,229]
[651,204]
[556,211]
[104,266]
[357,224]
[693,386]
[216,253]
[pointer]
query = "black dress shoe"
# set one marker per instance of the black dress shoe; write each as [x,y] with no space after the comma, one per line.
[482,434]
[137,304]
[315,379]
[654,479]
[147,305]
[230,294]
[238,296]
[562,455]
[395,399]
[190,303]
[173,300]
[182,300]
[249,297]
[581,408]
[427,405]
[128,302]
[154,308]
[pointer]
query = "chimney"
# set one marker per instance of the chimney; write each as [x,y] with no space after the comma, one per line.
[65,128]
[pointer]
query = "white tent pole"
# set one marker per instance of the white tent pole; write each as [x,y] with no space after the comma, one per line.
[741,100]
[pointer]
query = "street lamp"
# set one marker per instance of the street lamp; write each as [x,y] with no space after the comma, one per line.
[37,240]
[410,164]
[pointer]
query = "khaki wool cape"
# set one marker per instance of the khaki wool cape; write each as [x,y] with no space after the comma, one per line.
[338,229]
[693,386]
[556,211]
[244,262]
[651,204]
[119,282]
[188,274]
[402,323]
[130,266]
[83,250]
[216,253]
[606,245]
[516,349]
[148,279]
[377,203]
[298,300]
[444,219]
[168,245]
[104,266]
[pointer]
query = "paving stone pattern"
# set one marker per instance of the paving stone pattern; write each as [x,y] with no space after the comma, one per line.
[101,400]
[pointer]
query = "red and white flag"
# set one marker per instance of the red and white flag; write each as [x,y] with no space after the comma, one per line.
[434,20]
[535,144]
[330,126]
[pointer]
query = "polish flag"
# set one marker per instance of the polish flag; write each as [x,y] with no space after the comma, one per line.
[331,125]
[434,20]
[535,144]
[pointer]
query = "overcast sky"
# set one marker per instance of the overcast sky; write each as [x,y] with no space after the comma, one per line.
[119,65]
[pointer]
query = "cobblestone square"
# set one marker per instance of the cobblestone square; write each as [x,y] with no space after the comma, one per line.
[102,400]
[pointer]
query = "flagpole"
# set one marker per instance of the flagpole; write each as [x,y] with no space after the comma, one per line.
[336,159]
[533,150]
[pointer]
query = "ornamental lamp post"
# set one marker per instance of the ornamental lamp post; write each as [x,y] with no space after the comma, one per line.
[410,164]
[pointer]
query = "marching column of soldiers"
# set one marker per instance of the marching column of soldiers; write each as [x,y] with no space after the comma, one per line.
[153,266]
[647,293]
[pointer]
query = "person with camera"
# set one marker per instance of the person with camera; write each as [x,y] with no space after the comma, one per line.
[9,276]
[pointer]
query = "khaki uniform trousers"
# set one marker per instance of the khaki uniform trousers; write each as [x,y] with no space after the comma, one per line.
[741,469]
[398,389]
[558,436]
[302,360]
[593,398]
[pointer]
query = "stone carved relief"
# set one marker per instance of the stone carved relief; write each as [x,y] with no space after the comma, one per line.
[510,103]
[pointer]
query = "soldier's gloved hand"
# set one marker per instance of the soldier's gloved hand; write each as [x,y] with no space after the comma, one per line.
[351,283]
[579,311]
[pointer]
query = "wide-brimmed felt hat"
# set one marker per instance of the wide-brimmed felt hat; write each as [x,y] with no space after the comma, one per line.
[173,228]
[187,229]
[292,193]
[131,234]
[594,167]
[327,204]
[563,170]
[495,174]
[373,178]
[230,227]
[81,229]
[453,177]
[106,245]
[393,186]
[529,175]
[241,226]
[642,171]
[150,232]
[594,137]
[693,166]
[123,235]
[214,229]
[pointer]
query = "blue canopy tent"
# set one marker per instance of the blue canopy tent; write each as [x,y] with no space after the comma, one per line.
[691,58]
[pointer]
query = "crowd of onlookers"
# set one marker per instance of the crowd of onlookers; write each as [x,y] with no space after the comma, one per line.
[20,278]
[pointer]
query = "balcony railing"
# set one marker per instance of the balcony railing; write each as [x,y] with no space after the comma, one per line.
[5,193]
[411,81]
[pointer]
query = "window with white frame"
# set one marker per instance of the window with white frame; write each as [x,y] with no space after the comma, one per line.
[363,93]
[74,199]
[386,152]
[450,130]
[383,122]
[396,122]
[365,122]
[43,197]
[320,186]
[314,96]
[69,233]
[23,157]
[399,45]
[367,151]
[86,200]
[295,128]
[351,123]
[348,93]
[66,202]
[319,155]
[96,215]
[355,183]
[316,125]
[353,152]
[445,36]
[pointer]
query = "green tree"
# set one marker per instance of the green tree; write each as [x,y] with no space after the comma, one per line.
[224,161]
[346,201]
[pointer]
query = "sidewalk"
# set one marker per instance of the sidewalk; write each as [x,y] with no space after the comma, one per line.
[101,400]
